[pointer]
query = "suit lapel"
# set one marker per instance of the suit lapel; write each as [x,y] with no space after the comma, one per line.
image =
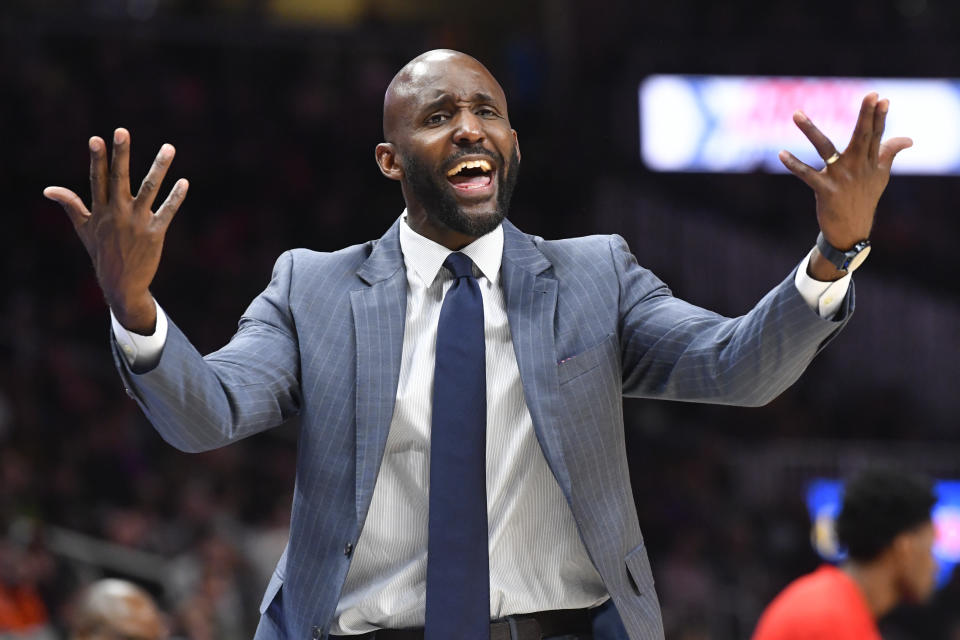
[379,314]
[531,296]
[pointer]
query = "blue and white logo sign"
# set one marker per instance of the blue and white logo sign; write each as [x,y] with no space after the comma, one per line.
[738,124]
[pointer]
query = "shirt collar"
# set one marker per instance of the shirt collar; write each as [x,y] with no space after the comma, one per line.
[425,257]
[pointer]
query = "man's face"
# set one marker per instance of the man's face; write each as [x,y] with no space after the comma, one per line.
[453,141]
[918,567]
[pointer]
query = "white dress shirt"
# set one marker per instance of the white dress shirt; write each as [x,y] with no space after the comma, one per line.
[537,560]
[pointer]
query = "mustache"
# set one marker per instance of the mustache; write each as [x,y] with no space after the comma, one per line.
[474,151]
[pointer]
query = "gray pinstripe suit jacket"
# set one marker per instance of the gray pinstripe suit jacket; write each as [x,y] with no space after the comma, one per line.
[589,326]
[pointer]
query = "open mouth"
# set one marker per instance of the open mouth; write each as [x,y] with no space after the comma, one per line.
[471,175]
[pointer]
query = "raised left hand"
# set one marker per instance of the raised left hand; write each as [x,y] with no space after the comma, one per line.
[848,189]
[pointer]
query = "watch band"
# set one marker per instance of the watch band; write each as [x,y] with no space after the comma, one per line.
[844,260]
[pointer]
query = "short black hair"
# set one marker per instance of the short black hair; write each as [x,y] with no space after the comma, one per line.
[878,505]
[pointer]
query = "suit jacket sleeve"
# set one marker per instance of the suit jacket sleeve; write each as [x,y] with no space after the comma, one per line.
[674,350]
[198,403]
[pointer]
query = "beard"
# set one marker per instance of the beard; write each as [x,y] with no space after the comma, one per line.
[433,191]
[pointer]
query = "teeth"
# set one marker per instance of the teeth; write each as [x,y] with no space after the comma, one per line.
[483,165]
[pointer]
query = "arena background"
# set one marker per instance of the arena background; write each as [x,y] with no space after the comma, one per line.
[274,107]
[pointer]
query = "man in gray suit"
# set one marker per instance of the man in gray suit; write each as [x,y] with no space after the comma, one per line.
[347,341]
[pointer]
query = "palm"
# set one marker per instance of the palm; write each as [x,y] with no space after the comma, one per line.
[122,234]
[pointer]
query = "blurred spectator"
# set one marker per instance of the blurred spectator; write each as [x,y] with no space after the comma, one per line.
[885,526]
[214,601]
[112,608]
[23,614]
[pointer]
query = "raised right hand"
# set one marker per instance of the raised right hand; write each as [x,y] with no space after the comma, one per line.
[122,234]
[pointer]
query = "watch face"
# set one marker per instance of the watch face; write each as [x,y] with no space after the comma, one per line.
[858,259]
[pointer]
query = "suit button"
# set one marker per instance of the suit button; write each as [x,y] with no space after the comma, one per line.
[348,549]
[317,633]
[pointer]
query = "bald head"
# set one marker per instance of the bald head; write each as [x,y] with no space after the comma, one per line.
[116,607]
[421,76]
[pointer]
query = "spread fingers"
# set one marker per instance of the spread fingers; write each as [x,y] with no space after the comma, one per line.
[863,132]
[820,142]
[120,166]
[151,183]
[70,202]
[98,171]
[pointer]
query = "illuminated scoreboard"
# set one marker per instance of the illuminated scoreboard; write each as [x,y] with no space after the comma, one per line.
[738,124]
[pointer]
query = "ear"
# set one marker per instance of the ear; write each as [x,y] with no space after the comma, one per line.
[386,155]
[516,143]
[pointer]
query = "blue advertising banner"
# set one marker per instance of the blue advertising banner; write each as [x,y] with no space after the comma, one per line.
[738,124]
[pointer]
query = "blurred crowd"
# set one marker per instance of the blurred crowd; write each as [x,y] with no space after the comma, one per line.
[275,126]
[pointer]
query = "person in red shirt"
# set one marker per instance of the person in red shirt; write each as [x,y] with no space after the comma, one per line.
[886,528]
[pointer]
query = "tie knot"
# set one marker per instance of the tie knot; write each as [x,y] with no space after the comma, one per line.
[459,264]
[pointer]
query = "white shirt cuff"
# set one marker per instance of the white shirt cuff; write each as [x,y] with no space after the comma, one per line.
[139,350]
[823,297]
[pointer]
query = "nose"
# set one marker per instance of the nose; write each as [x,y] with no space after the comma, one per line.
[469,129]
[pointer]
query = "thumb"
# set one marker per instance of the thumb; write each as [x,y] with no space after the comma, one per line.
[891,148]
[70,202]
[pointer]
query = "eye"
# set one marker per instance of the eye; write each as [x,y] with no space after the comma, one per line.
[437,118]
[487,112]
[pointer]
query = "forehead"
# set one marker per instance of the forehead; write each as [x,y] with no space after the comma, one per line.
[460,79]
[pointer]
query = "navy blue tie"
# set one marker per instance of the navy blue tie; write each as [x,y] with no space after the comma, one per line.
[458,566]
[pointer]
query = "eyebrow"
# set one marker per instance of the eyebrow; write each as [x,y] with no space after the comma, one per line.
[445,98]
